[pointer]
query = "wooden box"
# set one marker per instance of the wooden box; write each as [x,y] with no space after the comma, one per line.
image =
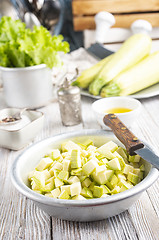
[125,12]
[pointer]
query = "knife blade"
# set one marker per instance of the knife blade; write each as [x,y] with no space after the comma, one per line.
[132,143]
[148,154]
[98,51]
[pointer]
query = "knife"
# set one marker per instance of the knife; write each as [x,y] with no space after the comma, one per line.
[97,50]
[132,143]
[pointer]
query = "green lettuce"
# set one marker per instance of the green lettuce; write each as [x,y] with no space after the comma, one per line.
[22,47]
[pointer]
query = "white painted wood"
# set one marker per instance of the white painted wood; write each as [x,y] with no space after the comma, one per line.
[20,218]
[115,35]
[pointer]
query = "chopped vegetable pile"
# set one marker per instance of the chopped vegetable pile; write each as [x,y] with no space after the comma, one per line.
[83,171]
[21,47]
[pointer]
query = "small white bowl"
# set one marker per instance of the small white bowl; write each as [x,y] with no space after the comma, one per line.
[102,105]
[18,135]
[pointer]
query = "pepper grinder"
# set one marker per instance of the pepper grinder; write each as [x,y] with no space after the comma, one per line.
[69,99]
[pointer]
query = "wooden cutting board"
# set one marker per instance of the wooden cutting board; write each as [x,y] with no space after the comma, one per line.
[125,12]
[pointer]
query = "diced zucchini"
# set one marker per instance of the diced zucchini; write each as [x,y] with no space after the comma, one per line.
[49,185]
[107,149]
[91,186]
[105,189]
[86,182]
[133,178]
[78,197]
[63,175]
[55,154]
[75,189]
[57,166]
[136,171]
[135,158]
[104,160]
[88,173]
[39,179]
[103,177]
[121,160]
[63,195]
[84,153]
[89,167]
[115,190]
[44,163]
[56,172]
[55,193]
[66,188]
[122,189]
[108,184]
[69,146]
[48,195]
[142,167]
[124,183]
[82,178]
[121,152]
[73,179]
[76,172]
[58,182]
[66,165]
[85,192]
[128,169]
[121,176]
[97,192]
[88,142]
[114,180]
[100,169]
[114,164]
[75,159]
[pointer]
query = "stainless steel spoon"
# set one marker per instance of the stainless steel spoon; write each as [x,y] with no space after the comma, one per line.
[15,118]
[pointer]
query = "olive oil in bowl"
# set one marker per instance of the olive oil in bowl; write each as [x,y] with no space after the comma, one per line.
[118,110]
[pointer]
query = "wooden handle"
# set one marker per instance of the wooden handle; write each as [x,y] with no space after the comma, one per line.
[131,142]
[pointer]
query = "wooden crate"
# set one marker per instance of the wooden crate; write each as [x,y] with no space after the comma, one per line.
[125,12]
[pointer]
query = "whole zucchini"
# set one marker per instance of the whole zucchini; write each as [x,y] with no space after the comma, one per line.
[131,52]
[136,78]
[88,75]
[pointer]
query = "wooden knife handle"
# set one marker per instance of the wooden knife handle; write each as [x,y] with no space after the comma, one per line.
[130,141]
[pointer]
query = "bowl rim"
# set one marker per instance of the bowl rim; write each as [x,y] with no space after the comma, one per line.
[94,107]
[29,68]
[26,191]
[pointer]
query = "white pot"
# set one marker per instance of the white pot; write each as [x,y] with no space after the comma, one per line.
[27,87]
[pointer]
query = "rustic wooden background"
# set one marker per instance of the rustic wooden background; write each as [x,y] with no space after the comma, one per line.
[125,12]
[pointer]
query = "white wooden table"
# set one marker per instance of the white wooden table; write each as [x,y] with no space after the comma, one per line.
[20,218]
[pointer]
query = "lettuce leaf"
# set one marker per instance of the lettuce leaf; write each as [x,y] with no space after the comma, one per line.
[21,47]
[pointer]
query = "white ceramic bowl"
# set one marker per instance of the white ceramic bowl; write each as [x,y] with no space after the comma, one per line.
[86,210]
[17,136]
[100,106]
[29,87]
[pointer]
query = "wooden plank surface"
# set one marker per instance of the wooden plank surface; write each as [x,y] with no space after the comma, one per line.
[123,21]
[20,218]
[89,7]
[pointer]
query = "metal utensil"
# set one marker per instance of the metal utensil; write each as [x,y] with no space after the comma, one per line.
[132,143]
[14,118]
[98,51]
